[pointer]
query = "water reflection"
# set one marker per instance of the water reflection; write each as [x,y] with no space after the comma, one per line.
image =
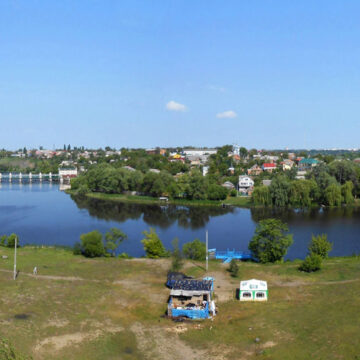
[305,216]
[195,217]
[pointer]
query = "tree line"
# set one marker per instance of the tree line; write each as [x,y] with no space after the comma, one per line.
[331,185]
[108,179]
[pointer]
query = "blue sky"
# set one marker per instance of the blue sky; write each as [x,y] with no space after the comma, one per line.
[265,74]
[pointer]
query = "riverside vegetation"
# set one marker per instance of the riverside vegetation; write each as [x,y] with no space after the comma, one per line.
[106,307]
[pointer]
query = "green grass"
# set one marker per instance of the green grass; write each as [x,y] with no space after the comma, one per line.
[108,308]
[234,201]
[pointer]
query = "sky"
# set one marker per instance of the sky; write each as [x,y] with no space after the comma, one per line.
[259,73]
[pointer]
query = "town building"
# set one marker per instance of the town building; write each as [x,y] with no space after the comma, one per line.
[199,152]
[255,170]
[228,185]
[245,183]
[307,164]
[269,167]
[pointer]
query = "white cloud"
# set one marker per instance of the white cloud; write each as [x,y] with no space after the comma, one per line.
[230,114]
[174,106]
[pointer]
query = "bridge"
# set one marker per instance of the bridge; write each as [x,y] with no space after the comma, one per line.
[30,177]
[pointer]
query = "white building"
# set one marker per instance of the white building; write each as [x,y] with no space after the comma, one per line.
[199,152]
[68,172]
[253,290]
[205,170]
[245,182]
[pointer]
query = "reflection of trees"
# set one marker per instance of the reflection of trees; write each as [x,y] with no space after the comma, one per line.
[162,216]
[325,215]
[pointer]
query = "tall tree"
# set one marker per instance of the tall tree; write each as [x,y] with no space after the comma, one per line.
[270,242]
[113,239]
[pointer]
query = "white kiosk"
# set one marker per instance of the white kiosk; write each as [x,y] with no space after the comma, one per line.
[253,290]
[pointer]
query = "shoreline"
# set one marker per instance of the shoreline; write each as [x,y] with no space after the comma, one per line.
[240,202]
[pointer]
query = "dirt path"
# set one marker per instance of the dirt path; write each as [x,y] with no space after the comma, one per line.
[156,343]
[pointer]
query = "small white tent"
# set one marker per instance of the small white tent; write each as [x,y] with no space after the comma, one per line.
[253,290]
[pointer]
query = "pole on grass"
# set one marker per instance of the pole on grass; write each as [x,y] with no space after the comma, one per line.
[207,251]
[15,258]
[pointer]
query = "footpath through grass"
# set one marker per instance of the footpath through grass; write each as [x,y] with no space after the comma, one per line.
[78,308]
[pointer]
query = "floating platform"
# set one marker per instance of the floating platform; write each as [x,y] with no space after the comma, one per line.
[228,255]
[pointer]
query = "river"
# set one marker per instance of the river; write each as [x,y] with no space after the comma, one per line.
[42,214]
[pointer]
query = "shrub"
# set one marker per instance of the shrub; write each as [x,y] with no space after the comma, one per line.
[153,246]
[10,241]
[270,243]
[176,255]
[92,244]
[124,255]
[234,268]
[319,245]
[233,193]
[77,250]
[311,263]
[195,250]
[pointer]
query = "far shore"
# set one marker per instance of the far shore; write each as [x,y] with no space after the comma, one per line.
[239,201]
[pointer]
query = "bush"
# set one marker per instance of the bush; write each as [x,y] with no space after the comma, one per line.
[195,250]
[234,268]
[92,244]
[319,245]
[10,241]
[153,246]
[124,255]
[177,257]
[77,250]
[233,193]
[311,263]
[270,243]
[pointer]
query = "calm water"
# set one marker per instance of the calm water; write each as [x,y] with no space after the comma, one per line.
[41,214]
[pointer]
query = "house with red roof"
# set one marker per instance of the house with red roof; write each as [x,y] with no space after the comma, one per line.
[269,167]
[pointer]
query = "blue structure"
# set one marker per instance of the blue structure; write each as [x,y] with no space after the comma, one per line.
[228,255]
[192,299]
[190,313]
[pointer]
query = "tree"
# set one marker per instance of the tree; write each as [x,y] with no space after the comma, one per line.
[261,195]
[195,250]
[10,241]
[153,246]
[270,243]
[176,255]
[333,195]
[311,263]
[92,244]
[346,192]
[243,152]
[234,268]
[319,245]
[280,191]
[300,192]
[113,239]
[216,192]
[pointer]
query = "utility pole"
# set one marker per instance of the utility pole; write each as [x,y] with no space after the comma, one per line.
[15,259]
[207,251]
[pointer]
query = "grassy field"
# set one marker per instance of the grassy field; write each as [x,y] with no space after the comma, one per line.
[77,308]
[235,201]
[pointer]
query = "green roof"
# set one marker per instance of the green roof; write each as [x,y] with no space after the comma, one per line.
[308,161]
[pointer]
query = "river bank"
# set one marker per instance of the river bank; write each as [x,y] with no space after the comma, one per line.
[110,307]
[241,201]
